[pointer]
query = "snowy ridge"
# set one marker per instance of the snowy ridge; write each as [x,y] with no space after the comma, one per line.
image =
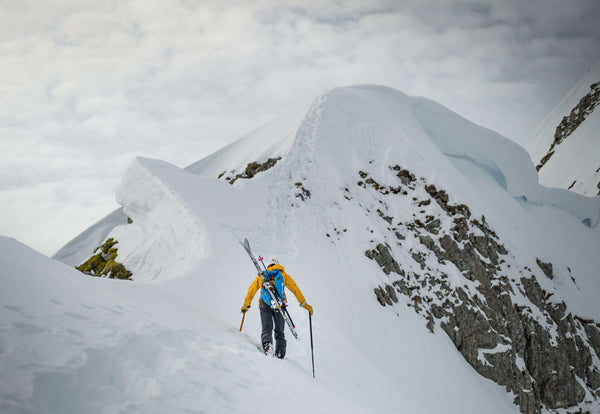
[78,250]
[572,161]
[508,164]
[271,140]
[165,238]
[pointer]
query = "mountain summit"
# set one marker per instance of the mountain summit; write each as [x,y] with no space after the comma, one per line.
[444,276]
[566,146]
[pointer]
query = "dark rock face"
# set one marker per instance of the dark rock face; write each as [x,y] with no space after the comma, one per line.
[302,192]
[569,123]
[251,170]
[583,108]
[546,268]
[382,255]
[505,325]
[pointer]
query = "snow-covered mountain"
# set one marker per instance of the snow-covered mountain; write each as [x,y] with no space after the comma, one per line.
[566,146]
[443,276]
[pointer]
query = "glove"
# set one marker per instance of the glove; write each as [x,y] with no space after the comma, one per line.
[307,307]
[245,308]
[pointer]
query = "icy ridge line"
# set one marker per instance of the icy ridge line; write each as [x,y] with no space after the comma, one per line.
[521,183]
[157,210]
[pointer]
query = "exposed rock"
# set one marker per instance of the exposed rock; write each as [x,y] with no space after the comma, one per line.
[405,176]
[252,169]
[302,193]
[569,123]
[383,216]
[584,107]
[541,352]
[386,295]
[382,255]
[103,264]
[433,226]
[546,268]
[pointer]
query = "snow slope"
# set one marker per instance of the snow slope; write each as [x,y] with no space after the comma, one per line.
[576,162]
[73,344]
[169,341]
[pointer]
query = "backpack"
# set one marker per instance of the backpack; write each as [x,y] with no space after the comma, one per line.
[277,278]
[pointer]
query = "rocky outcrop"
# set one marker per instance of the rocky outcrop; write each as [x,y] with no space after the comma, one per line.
[104,264]
[250,171]
[546,268]
[302,192]
[569,123]
[457,274]
[383,256]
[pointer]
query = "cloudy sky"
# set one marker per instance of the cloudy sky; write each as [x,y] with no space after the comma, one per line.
[85,86]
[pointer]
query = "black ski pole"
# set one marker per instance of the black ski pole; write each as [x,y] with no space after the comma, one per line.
[312,354]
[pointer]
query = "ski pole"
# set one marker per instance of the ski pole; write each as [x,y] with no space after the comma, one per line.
[312,354]
[243,317]
[260,259]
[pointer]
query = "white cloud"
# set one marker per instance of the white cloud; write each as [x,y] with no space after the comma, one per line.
[86,86]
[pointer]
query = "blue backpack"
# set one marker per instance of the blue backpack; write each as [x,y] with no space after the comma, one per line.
[277,278]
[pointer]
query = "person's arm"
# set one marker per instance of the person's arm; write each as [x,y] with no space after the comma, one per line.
[252,289]
[290,283]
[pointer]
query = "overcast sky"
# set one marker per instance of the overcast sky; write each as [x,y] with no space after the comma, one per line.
[85,86]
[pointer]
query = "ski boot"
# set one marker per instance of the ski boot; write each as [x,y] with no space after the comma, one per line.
[268,348]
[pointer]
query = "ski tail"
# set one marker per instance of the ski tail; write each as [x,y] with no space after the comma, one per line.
[279,305]
[246,245]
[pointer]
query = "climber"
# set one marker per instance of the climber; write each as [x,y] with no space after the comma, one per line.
[268,316]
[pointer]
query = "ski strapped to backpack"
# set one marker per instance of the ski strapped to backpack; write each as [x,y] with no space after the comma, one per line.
[277,302]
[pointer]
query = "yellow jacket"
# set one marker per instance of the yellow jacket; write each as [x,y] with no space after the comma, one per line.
[287,279]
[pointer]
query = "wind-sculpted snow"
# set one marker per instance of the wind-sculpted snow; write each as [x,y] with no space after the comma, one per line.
[270,141]
[507,163]
[165,238]
[79,249]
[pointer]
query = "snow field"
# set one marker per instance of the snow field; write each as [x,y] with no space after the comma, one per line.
[91,345]
[73,344]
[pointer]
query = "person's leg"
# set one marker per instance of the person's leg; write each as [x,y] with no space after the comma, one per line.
[266,319]
[279,335]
